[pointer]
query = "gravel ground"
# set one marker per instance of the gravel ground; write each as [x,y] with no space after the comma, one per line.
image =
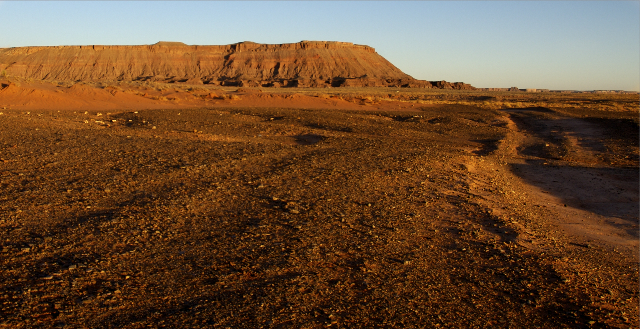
[250,217]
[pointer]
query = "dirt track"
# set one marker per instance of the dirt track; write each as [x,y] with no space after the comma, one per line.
[443,216]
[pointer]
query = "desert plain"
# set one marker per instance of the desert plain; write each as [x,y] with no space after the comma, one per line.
[134,204]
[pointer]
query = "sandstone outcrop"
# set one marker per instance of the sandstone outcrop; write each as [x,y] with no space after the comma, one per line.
[245,64]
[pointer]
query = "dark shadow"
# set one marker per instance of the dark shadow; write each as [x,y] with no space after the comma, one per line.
[276,118]
[481,98]
[274,204]
[550,135]
[611,192]
[132,120]
[439,120]
[325,127]
[309,139]
[487,146]
[619,129]
[529,109]
[407,118]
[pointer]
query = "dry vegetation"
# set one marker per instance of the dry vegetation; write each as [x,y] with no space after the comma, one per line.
[487,100]
[491,100]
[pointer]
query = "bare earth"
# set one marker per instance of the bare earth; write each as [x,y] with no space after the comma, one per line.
[132,206]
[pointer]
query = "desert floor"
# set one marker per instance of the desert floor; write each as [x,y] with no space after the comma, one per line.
[131,206]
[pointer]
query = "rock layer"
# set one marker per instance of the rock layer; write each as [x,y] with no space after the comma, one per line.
[302,64]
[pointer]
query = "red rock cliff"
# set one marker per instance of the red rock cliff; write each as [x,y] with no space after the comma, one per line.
[306,63]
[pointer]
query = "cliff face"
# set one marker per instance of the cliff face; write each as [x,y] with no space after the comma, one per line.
[302,64]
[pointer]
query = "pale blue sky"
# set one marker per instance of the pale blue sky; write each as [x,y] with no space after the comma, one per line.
[581,45]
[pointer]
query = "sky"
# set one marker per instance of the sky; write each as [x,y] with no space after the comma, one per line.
[569,45]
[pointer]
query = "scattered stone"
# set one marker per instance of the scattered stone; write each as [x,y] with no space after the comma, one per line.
[142,224]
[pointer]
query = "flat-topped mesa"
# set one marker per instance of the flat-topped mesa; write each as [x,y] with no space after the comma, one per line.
[301,64]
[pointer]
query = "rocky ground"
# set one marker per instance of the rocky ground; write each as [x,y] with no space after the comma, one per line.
[244,217]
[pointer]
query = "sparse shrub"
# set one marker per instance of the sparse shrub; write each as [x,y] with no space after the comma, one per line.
[112,87]
[196,89]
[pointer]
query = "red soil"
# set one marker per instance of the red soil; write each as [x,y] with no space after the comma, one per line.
[46,96]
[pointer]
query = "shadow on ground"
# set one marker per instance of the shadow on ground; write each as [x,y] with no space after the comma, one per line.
[610,192]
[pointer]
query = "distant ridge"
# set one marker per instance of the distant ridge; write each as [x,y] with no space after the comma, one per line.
[301,64]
